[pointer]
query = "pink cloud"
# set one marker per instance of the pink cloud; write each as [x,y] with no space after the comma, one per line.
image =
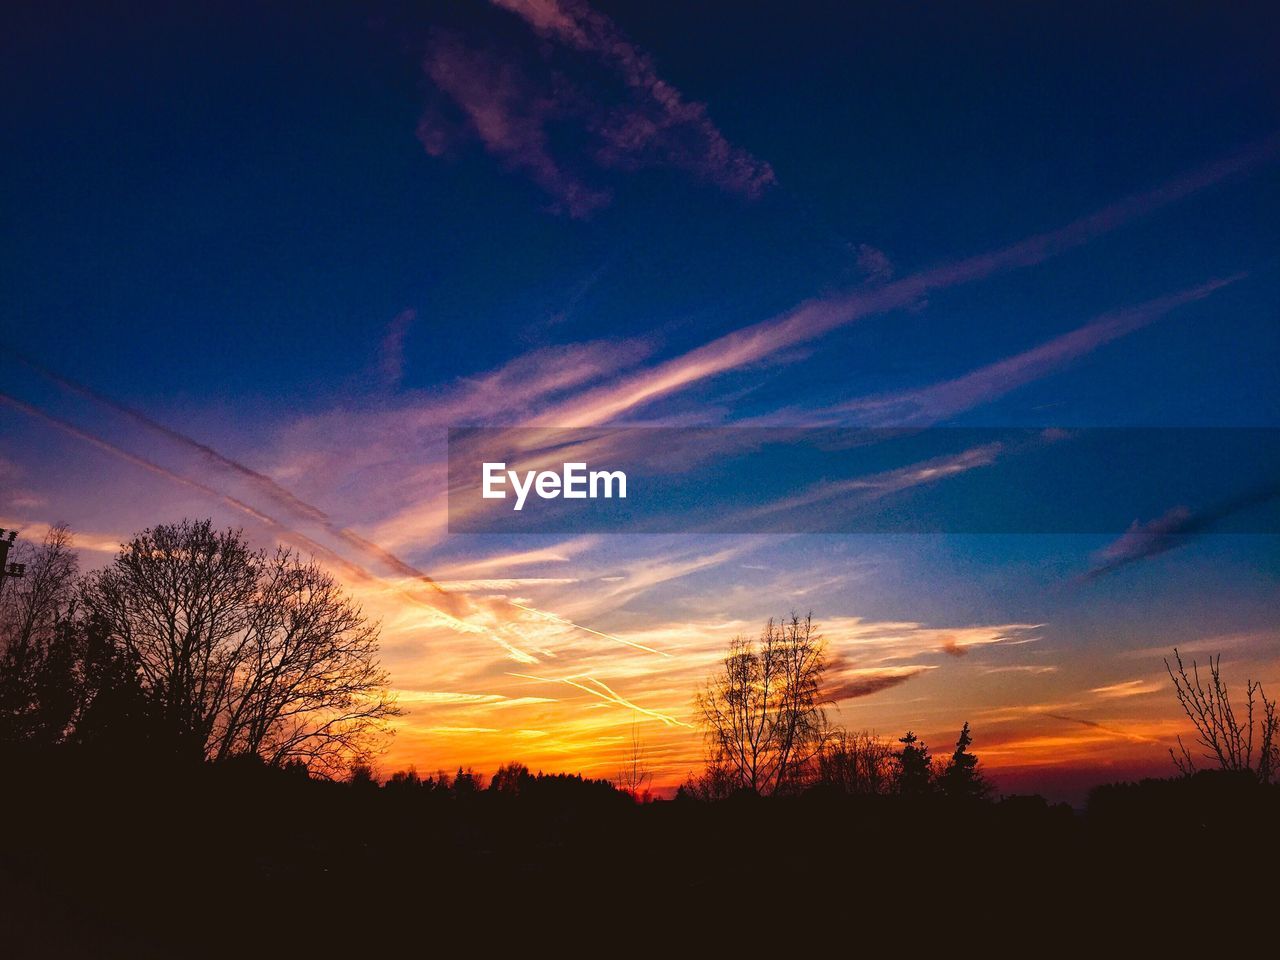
[514,102]
[660,127]
[509,114]
[391,351]
[874,263]
[874,486]
[1172,530]
[863,683]
[941,400]
[810,320]
[1143,540]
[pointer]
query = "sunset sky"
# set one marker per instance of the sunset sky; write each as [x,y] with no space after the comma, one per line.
[259,259]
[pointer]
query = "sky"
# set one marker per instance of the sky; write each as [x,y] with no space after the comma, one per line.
[259,260]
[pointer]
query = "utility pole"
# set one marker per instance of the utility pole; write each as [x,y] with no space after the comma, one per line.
[8,569]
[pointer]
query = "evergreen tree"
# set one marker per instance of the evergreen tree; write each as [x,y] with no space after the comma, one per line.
[914,766]
[961,779]
[114,711]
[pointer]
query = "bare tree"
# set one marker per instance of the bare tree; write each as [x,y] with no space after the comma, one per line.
[31,605]
[761,710]
[1246,745]
[510,779]
[38,642]
[634,775]
[855,762]
[310,687]
[244,652]
[180,599]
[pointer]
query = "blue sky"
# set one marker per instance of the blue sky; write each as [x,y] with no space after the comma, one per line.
[315,237]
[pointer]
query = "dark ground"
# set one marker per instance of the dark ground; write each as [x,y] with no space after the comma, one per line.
[109,859]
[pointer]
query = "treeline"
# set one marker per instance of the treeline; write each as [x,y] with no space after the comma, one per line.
[161,722]
[861,763]
[134,859]
[767,731]
[189,645]
[193,645]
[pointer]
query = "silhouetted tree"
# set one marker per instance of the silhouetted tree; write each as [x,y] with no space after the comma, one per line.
[855,762]
[715,782]
[114,712]
[915,767]
[634,775]
[438,782]
[1246,745]
[467,782]
[311,688]
[39,650]
[510,779]
[407,780]
[960,778]
[761,712]
[242,652]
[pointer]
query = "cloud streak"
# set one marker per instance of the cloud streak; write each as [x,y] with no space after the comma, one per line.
[451,609]
[808,321]
[519,102]
[939,401]
[391,351]
[1172,530]
[865,682]
[660,127]
[867,489]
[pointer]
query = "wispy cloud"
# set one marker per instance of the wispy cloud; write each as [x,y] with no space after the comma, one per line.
[771,338]
[392,451]
[927,405]
[513,100]
[558,554]
[1126,688]
[391,351]
[1170,531]
[660,126]
[864,643]
[489,616]
[1244,644]
[509,114]
[601,690]
[1105,728]
[874,486]
[35,530]
[864,682]
[508,583]
[874,263]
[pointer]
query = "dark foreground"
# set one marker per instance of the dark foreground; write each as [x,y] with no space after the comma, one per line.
[107,860]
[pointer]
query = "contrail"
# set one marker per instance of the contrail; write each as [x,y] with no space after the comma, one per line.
[608,636]
[608,695]
[272,489]
[152,467]
[265,519]
[264,483]
[356,571]
[311,511]
[1094,724]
